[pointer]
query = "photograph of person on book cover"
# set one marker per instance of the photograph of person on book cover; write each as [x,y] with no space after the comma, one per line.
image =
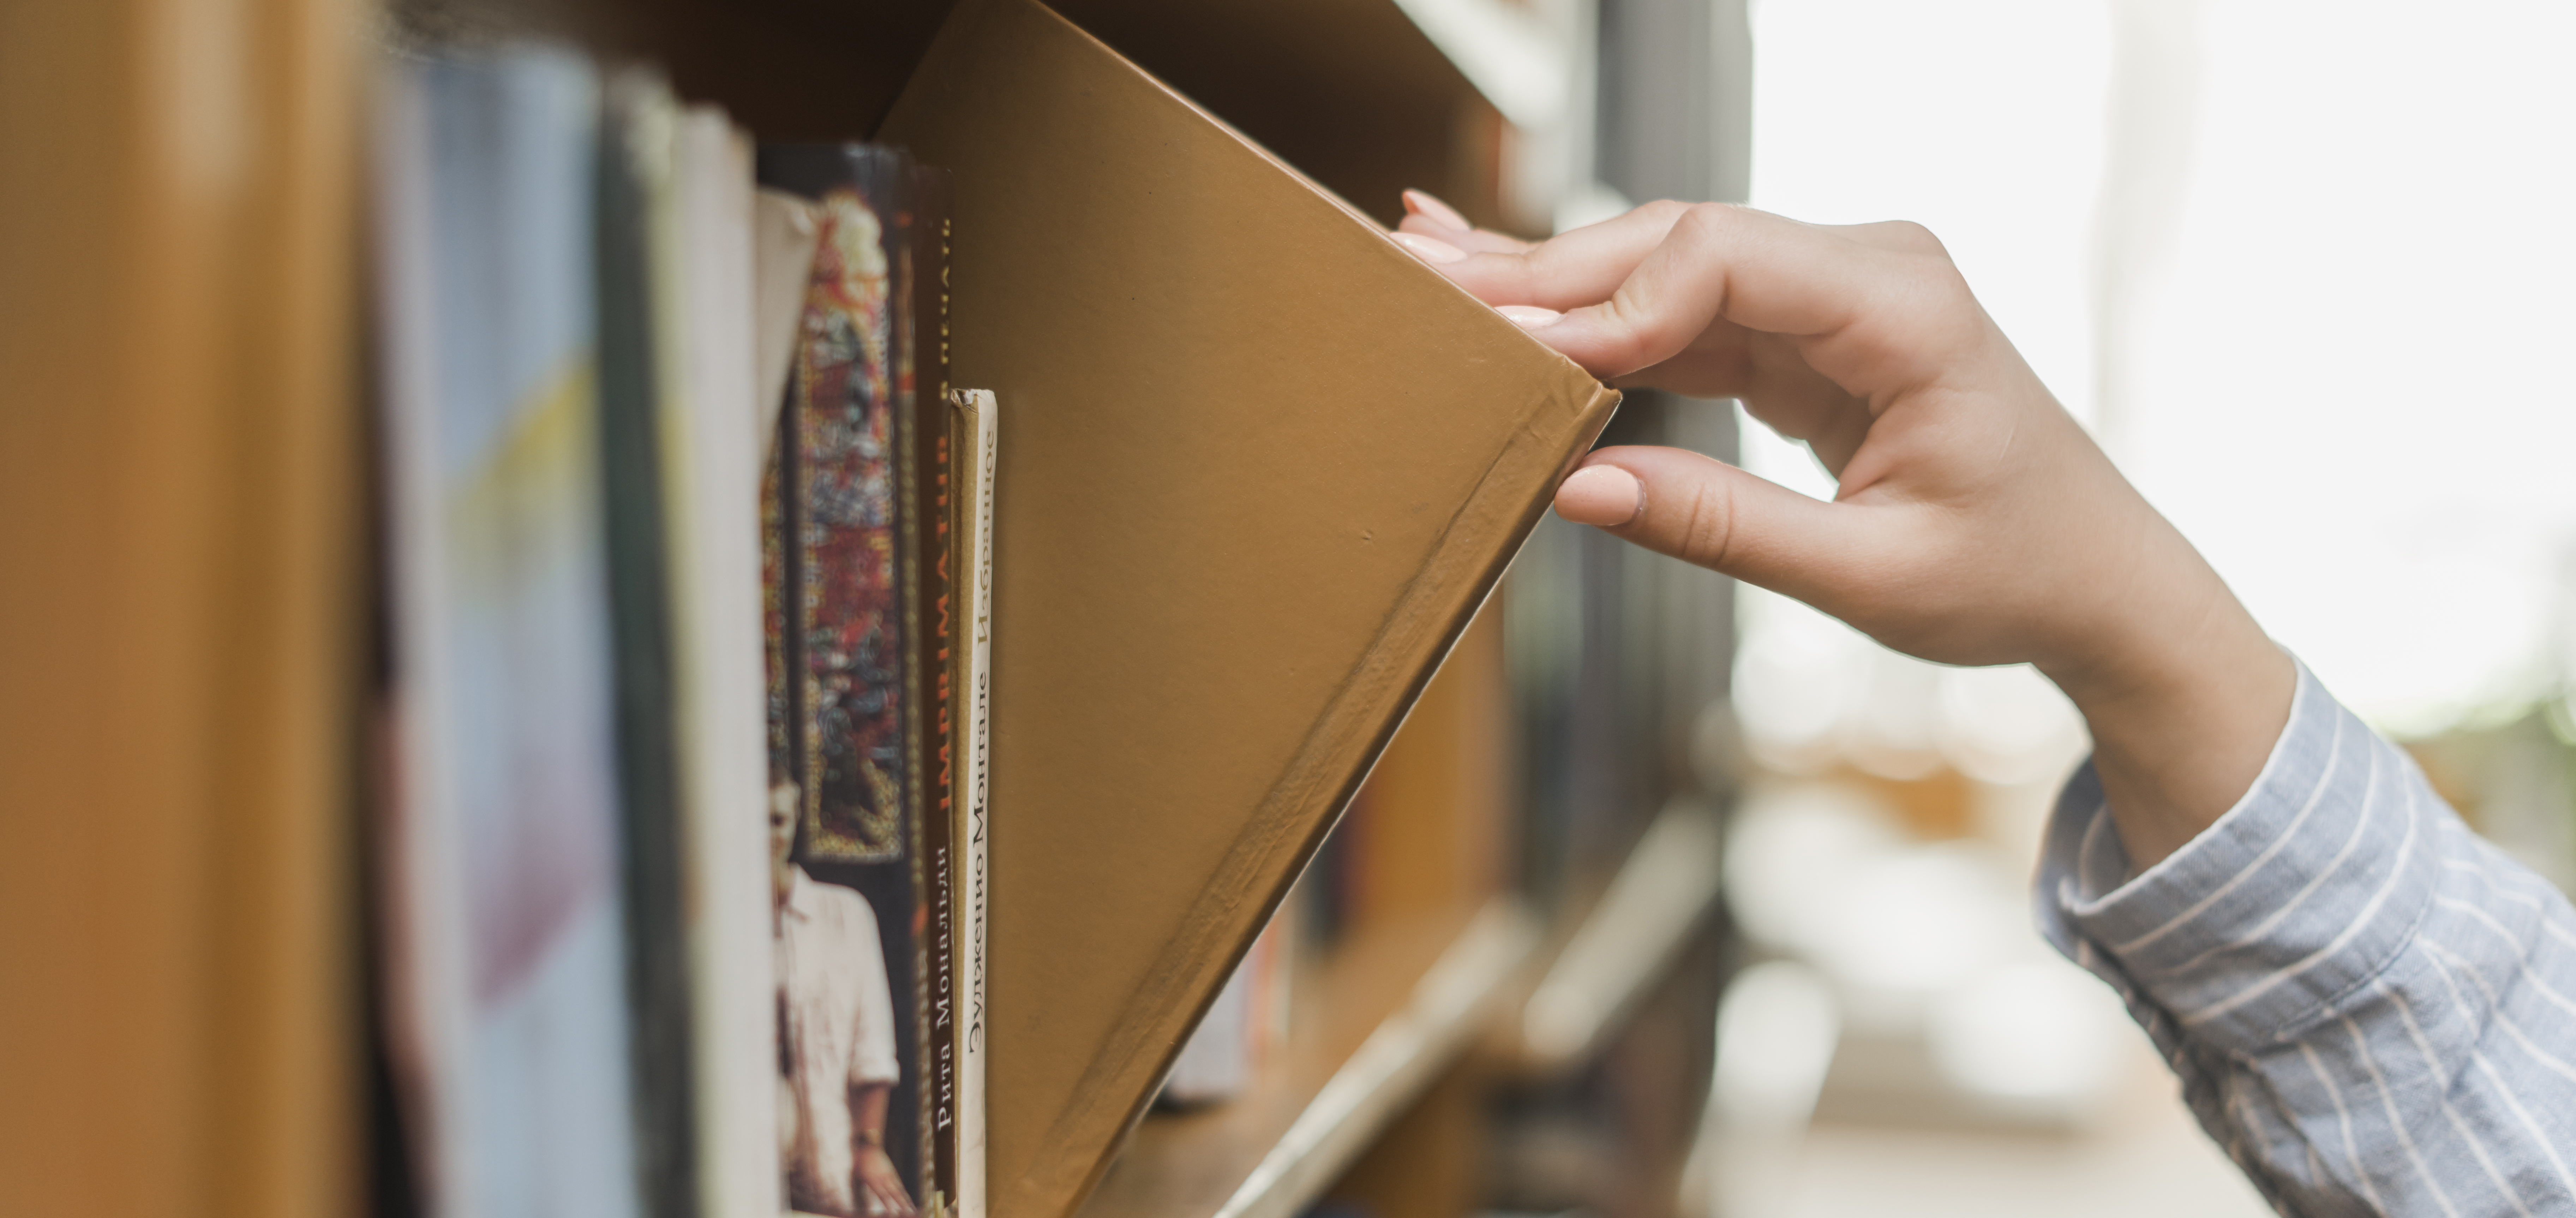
[837,1045]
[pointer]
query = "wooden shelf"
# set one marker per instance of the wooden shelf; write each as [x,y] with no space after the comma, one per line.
[1515,58]
[1370,1030]
[1379,1021]
[1624,943]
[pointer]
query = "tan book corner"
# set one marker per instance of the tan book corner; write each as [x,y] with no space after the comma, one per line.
[1264,467]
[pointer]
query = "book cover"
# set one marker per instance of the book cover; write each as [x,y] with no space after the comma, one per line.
[506,932]
[849,791]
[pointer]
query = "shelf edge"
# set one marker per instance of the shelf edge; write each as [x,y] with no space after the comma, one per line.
[1447,1009]
[1662,893]
[1511,55]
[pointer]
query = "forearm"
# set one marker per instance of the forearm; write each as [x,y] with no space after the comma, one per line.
[868,1115]
[2362,999]
[2182,691]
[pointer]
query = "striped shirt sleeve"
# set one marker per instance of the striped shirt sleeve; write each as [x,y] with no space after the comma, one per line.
[2370,1008]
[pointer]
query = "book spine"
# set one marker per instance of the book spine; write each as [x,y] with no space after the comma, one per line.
[713,457]
[633,166]
[937,550]
[887,181]
[419,833]
[975,686]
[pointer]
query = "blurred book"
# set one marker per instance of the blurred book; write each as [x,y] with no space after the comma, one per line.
[606,992]
[1244,1029]
[638,388]
[783,235]
[707,423]
[506,934]
[1618,655]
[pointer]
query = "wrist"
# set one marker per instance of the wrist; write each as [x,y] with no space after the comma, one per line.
[2184,704]
[2167,655]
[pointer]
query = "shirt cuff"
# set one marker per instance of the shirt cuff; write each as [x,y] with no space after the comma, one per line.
[2253,930]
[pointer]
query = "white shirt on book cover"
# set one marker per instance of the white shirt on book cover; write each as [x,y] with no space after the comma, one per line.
[836,1035]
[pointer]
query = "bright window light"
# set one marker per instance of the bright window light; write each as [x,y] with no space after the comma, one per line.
[2341,368]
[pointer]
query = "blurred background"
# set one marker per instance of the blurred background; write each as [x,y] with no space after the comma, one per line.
[2296,265]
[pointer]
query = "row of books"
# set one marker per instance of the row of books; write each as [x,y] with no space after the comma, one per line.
[686,690]
[1620,664]
[1257,491]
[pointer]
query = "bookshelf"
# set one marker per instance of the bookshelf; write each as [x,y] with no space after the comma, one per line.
[185,604]
[1377,1024]
[1661,897]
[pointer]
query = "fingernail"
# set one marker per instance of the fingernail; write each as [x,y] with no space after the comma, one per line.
[1529,317]
[1429,250]
[1602,495]
[1432,209]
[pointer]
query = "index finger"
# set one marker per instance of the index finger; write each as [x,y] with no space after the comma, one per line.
[1868,312]
[1572,269]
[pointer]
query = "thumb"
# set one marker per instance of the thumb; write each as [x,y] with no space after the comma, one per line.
[1706,512]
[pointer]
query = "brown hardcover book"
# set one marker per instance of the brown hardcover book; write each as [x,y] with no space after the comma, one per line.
[1264,467]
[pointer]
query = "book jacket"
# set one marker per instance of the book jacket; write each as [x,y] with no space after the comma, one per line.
[858,792]
[507,935]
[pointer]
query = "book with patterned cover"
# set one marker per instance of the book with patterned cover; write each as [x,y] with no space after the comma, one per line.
[853,560]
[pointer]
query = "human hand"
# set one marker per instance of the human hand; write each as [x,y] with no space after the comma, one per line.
[1974,521]
[881,1191]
